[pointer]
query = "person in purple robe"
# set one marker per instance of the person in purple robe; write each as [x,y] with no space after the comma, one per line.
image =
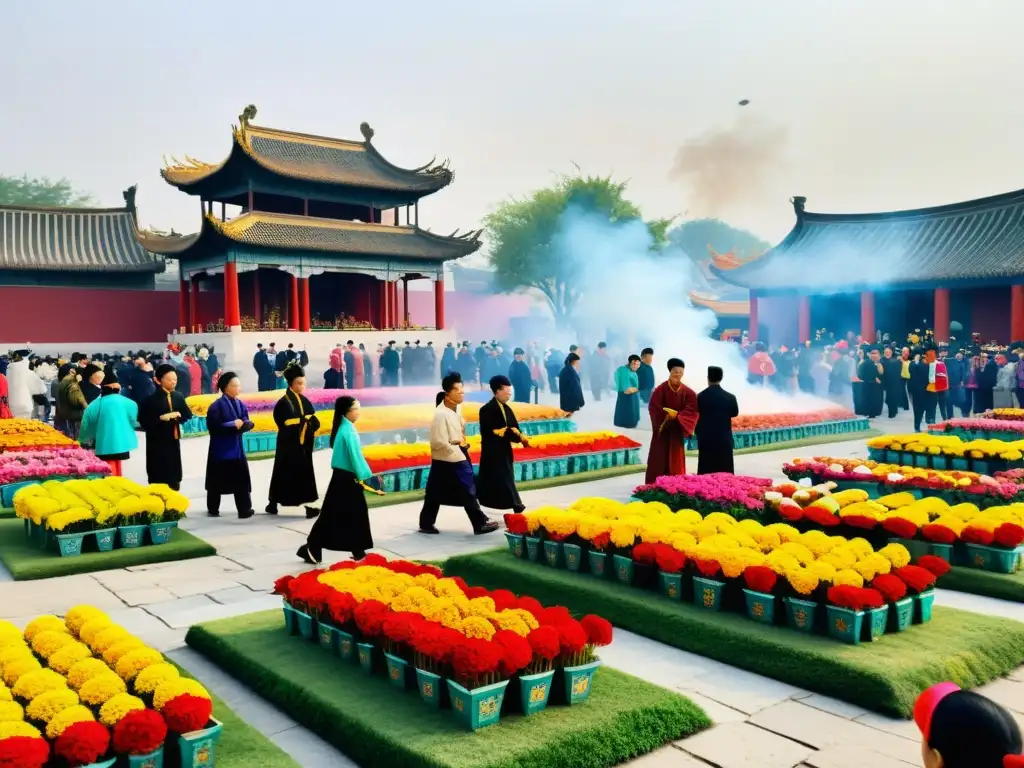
[227,471]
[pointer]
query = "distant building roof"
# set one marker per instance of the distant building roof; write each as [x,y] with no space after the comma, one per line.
[734,307]
[73,240]
[978,241]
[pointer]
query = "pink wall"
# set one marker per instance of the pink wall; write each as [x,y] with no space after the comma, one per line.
[469,313]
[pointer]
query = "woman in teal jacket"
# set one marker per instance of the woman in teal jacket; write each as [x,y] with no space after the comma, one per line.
[344,521]
[108,424]
[627,403]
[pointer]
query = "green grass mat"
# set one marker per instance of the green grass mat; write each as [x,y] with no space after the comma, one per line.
[241,745]
[26,561]
[5,513]
[1004,586]
[377,725]
[887,676]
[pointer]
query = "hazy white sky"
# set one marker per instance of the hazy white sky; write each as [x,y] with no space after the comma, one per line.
[884,104]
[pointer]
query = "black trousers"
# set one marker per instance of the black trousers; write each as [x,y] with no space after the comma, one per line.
[967,402]
[893,400]
[243,502]
[918,406]
[451,484]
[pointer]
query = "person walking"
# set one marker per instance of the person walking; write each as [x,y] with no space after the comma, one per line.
[570,388]
[716,409]
[293,481]
[627,400]
[227,471]
[71,404]
[645,375]
[108,425]
[499,429]
[161,416]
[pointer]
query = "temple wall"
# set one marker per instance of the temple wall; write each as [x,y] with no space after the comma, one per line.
[778,316]
[990,313]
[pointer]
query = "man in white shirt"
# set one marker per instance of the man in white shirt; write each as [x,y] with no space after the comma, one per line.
[451,481]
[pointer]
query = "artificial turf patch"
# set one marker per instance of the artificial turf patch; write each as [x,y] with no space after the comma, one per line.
[1004,586]
[26,561]
[377,725]
[5,513]
[887,676]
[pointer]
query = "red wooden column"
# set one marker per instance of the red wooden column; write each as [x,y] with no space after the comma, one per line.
[439,304]
[942,315]
[394,303]
[193,307]
[803,321]
[183,304]
[867,317]
[405,301]
[1016,312]
[232,312]
[293,304]
[385,316]
[753,322]
[303,303]
[256,308]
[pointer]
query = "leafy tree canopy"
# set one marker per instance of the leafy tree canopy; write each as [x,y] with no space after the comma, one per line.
[522,234]
[23,190]
[695,237]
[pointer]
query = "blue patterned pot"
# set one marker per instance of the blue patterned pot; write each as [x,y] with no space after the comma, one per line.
[901,614]
[572,555]
[69,544]
[671,585]
[400,672]
[875,622]
[553,553]
[306,624]
[152,760]
[800,614]
[131,536]
[160,533]
[598,561]
[577,682]
[844,624]
[760,606]
[199,748]
[515,544]
[347,647]
[105,538]
[707,593]
[432,688]
[534,691]
[477,708]
[532,548]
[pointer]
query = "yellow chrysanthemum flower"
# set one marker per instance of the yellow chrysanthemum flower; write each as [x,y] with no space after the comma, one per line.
[174,688]
[68,656]
[133,662]
[896,554]
[113,654]
[92,627]
[149,679]
[49,641]
[848,578]
[15,669]
[106,637]
[11,712]
[85,670]
[475,626]
[66,718]
[39,681]
[11,730]
[42,624]
[118,706]
[44,706]
[78,616]
[803,580]
[101,688]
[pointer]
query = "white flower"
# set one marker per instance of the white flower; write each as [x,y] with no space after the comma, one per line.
[894,477]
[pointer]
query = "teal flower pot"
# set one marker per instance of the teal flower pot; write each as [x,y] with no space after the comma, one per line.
[707,593]
[945,551]
[553,553]
[532,548]
[108,763]
[38,534]
[70,544]
[479,707]
[160,533]
[923,606]
[597,561]
[995,559]
[573,556]
[534,691]
[154,759]
[800,614]
[328,638]
[577,682]
[844,624]
[131,536]
[960,464]
[431,688]
[623,569]
[105,539]
[670,585]
[922,460]
[875,622]
[198,748]
[347,646]
[515,544]
[306,624]
[365,652]
[877,454]
[760,606]
[400,672]
[981,466]
[290,622]
[901,614]
[940,462]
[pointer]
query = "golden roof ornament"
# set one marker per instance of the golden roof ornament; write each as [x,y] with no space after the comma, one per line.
[367,131]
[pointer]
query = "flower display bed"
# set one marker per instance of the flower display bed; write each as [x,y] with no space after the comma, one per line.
[947,452]
[790,427]
[21,468]
[377,724]
[981,429]
[30,435]
[323,399]
[885,677]
[738,495]
[26,561]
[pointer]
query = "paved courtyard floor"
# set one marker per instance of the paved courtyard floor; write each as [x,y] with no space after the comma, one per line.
[759,722]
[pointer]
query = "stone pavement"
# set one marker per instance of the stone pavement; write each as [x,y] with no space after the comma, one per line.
[759,722]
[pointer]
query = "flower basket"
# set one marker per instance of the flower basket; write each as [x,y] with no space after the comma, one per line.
[577,682]
[327,637]
[365,652]
[923,606]
[306,625]
[37,534]
[760,606]
[290,622]
[160,533]
[534,691]
[432,689]
[995,559]
[69,544]
[477,708]
[515,544]
[597,560]
[198,748]
[800,614]
[875,622]
[670,585]
[553,553]
[901,615]
[844,624]
[346,646]
[707,593]
[154,759]
[131,536]
[623,569]
[400,672]
[105,539]
[532,547]
[573,556]
[945,551]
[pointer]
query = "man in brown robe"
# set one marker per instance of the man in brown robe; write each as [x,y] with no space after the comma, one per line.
[673,409]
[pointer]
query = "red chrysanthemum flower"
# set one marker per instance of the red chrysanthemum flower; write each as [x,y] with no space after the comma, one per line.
[532,605]
[760,578]
[374,559]
[82,743]
[474,592]
[822,517]
[645,554]
[669,559]
[516,524]
[24,752]
[555,615]
[516,653]
[473,658]
[860,521]
[708,568]
[369,616]
[340,606]
[900,527]
[599,631]
[791,512]
[934,565]
[503,599]
[891,587]
[187,713]
[601,541]
[855,598]
[571,637]
[973,535]
[544,642]
[344,565]
[281,586]
[400,627]
[916,578]
[139,732]
[940,534]
[1009,535]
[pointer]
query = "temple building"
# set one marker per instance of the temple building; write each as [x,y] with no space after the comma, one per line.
[730,304]
[958,266]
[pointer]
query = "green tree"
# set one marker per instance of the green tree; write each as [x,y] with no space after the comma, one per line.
[521,234]
[24,190]
[695,236]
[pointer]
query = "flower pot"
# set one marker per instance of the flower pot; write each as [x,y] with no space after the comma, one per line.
[477,708]
[923,606]
[291,624]
[940,462]
[306,625]
[154,759]
[760,606]
[623,569]
[597,560]
[945,551]
[901,614]
[515,543]
[877,454]
[160,533]
[844,624]
[995,559]
[875,622]
[573,556]
[532,548]
[346,646]
[981,466]
[69,544]
[645,575]
[109,763]
[534,691]
[365,651]
[328,638]
[577,682]
[922,460]
[707,593]
[131,536]
[39,534]
[960,464]
[400,672]
[671,585]
[553,553]
[431,688]
[105,539]
[800,614]
[198,748]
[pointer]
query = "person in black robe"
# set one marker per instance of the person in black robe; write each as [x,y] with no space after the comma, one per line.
[350,366]
[390,363]
[448,360]
[870,372]
[716,409]
[499,428]
[917,388]
[553,366]
[988,372]
[892,382]
[293,481]
[184,385]
[367,366]
[264,370]
[161,416]
[92,377]
[520,376]
[570,388]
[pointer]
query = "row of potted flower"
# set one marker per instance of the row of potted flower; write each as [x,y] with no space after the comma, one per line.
[760,421]
[73,515]
[947,452]
[323,399]
[34,466]
[30,435]
[739,495]
[981,428]
[476,651]
[1009,414]
[64,698]
[718,577]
